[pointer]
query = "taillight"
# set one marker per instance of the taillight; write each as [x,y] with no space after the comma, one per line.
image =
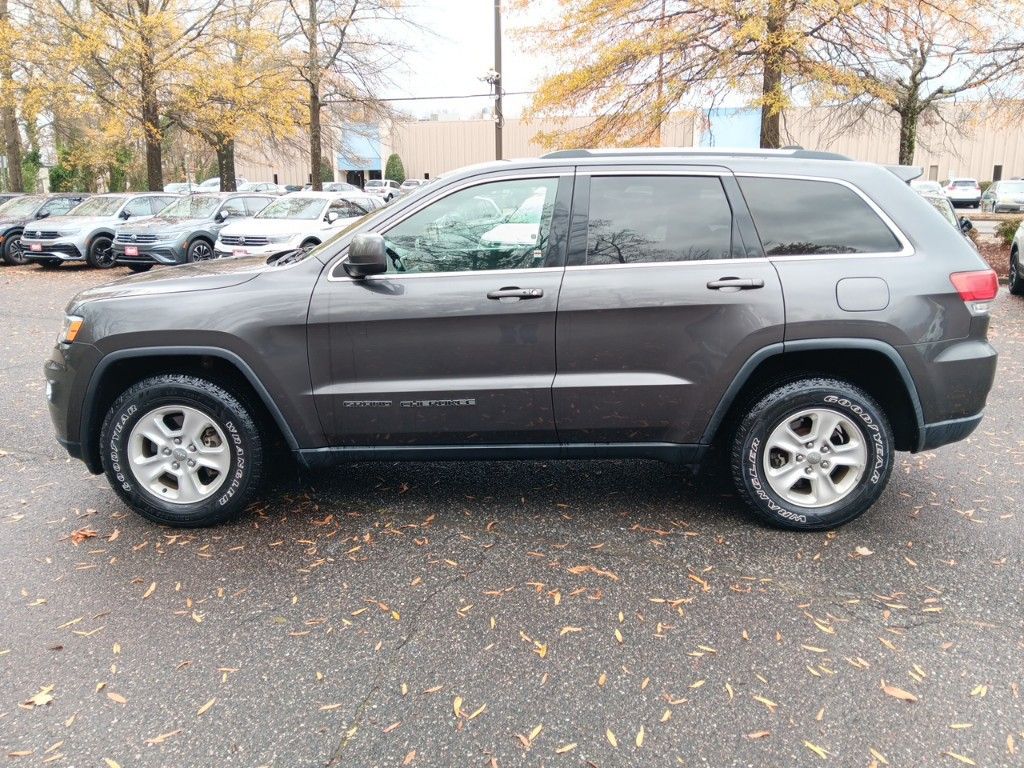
[981,286]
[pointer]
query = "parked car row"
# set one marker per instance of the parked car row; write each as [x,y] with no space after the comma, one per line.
[140,230]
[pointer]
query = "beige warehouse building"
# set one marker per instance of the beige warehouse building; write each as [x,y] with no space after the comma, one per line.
[988,147]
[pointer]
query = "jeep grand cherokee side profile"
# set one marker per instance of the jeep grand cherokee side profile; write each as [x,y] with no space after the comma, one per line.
[808,315]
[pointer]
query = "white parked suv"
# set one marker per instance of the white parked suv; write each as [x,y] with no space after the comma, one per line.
[86,232]
[964,191]
[386,189]
[296,220]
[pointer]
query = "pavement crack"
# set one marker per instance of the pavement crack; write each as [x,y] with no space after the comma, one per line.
[414,625]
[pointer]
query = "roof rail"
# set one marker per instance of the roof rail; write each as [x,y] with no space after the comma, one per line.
[794,152]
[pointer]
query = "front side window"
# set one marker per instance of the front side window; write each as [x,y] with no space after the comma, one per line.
[347,209]
[254,205]
[192,207]
[234,206]
[809,217]
[498,225]
[643,219]
[140,206]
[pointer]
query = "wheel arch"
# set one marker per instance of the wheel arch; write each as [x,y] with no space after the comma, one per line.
[858,361]
[98,233]
[119,370]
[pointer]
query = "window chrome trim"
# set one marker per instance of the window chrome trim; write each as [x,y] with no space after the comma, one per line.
[472,182]
[906,249]
[688,263]
[715,170]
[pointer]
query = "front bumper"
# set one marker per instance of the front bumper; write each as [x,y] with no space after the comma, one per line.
[67,372]
[68,248]
[167,252]
[270,249]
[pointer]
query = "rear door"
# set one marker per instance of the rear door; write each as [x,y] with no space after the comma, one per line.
[665,296]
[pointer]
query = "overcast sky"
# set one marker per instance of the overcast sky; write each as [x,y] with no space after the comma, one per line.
[459,51]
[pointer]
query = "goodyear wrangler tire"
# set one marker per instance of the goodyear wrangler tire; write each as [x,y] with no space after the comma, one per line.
[812,454]
[182,451]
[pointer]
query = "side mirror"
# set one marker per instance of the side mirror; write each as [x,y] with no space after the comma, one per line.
[965,225]
[125,214]
[332,216]
[366,255]
[223,214]
[42,214]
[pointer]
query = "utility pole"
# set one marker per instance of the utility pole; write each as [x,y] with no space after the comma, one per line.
[499,118]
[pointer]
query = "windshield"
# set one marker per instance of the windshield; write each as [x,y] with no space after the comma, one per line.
[965,183]
[375,183]
[410,183]
[1012,187]
[195,207]
[297,207]
[101,205]
[21,206]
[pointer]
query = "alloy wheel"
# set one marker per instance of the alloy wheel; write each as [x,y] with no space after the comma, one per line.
[179,454]
[201,252]
[815,458]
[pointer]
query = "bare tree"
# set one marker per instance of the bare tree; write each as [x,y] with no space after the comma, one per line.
[912,59]
[346,59]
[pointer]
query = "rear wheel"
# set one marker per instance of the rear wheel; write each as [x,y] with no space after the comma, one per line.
[811,454]
[1016,278]
[101,252]
[12,252]
[182,451]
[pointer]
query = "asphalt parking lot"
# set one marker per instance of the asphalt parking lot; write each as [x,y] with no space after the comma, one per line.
[505,614]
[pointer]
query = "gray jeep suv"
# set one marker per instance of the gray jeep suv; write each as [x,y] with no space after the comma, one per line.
[805,315]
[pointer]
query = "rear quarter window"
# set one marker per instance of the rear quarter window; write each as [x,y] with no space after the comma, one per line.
[796,217]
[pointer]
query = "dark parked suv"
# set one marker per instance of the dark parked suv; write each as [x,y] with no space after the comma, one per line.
[805,315]
[184,231]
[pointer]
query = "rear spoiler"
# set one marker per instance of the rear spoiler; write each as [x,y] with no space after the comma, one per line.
[906,173]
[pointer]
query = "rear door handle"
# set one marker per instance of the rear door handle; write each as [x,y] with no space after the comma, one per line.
[513,292]
[736,283]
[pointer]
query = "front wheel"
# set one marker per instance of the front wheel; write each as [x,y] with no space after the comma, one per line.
[812,454]
[182,451]
[49,263]
[199,250]
[137,268]
[101,252]
[12,251]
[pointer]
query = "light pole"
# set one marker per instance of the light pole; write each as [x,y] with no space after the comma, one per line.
[499,118]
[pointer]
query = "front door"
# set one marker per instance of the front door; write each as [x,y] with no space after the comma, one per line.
[666,295]
[455,344]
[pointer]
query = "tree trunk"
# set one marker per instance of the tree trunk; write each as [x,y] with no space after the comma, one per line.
[226,164]
[12,138]
[151,122]
[771,82]
[908,134]
[315,131]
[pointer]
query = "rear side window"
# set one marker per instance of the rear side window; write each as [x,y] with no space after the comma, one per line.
[804,217]
[644,219]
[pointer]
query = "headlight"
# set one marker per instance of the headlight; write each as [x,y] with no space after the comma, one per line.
[69,331]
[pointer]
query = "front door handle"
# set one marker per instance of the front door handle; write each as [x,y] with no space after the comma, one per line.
[513,292]
[736,283]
